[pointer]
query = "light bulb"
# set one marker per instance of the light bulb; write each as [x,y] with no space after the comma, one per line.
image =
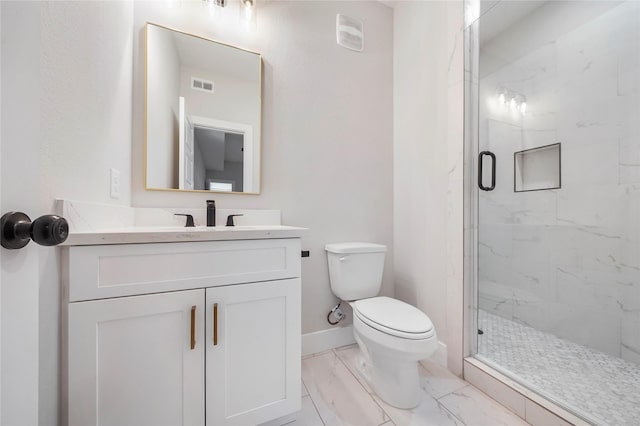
[248,14]
[523,107]
[512,103]
[501,98]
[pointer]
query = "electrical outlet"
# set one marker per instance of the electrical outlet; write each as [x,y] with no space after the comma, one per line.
[115,183]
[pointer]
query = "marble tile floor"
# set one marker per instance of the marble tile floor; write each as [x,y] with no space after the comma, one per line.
[604,387]
[334,393]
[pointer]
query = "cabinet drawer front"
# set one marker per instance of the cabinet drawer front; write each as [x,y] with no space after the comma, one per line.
[97,272]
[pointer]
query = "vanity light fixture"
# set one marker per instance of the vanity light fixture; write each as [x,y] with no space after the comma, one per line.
[219,3]
[214,6]
[248,14]
[512,100]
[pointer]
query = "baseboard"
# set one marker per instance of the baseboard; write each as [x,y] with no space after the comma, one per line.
[323,340]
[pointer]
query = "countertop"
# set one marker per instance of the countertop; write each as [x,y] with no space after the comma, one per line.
[172,234]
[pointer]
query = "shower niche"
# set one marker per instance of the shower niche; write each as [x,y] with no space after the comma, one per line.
[537,169]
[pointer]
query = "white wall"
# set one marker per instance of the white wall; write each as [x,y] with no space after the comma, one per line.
[326,127]
[163,105]
[327,137]
[235,99]
[427,152]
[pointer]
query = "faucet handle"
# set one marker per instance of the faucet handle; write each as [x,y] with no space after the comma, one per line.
[189,223]
[230,219]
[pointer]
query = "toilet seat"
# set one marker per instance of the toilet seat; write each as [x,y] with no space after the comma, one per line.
[394,317]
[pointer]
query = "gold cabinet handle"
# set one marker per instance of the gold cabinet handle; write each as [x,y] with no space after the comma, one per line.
[193,327]
[215,324]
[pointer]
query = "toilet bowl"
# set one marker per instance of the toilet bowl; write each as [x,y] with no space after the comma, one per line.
[392,335]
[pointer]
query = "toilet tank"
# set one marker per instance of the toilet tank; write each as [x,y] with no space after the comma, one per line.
[355,269]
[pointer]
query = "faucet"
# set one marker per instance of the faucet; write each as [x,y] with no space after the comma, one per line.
[230,219]
[211,213]
[189,223]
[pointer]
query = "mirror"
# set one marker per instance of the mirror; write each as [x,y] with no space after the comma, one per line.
[203,111]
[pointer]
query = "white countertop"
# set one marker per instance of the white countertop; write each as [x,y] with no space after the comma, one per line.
[173,234]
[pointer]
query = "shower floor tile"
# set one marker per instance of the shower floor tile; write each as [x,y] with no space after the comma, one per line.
[604,387]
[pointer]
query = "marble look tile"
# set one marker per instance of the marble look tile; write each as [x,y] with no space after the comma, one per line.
[502,393]
[317,354]
[496,298]
[350,356]
[429,412]
[534,207]
[338,396]
[595,206]
[475,408]
[581,324]
[630,337]
[307,416]
[631,297]
[629,160]
[585,380]
[437,381]
[601,289]
[539,416]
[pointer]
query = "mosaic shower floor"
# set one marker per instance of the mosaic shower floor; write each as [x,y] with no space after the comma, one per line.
[605,387]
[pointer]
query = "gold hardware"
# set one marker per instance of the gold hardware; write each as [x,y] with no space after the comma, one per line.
[193,327]
[215,324]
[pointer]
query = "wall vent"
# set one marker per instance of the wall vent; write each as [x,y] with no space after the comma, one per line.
[201,84]
[349,33]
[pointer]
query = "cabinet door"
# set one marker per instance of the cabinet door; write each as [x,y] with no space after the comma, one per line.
[253,369]
[132,360]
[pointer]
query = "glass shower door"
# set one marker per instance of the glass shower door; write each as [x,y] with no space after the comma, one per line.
[558,201]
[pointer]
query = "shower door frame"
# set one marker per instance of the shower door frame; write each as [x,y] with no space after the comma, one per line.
[472,360]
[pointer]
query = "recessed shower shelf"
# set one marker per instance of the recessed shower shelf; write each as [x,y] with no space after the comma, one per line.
[537,169]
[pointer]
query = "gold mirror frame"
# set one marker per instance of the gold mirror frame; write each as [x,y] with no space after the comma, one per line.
[146,110]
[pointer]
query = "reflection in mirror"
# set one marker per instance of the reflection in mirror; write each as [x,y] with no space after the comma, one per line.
[203,114]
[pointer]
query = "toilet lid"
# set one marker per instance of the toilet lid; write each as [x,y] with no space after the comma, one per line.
[394,317]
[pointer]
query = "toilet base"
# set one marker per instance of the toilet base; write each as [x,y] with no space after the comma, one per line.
[390,364]
[397,385]
[396,382]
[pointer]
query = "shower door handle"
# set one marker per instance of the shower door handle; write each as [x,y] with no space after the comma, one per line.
[493,171]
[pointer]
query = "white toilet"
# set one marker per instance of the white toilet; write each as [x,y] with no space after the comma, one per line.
[392,335]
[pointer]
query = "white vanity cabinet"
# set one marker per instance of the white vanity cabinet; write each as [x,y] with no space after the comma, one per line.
[189,333]
[253,352]
[131,360]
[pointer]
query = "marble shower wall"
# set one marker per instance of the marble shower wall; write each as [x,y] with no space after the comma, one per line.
[567,261]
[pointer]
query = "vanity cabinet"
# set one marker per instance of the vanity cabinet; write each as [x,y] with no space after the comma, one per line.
[253,360]
[131,361]
[224,352]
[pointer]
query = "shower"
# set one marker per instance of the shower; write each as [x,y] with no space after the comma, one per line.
[553,141]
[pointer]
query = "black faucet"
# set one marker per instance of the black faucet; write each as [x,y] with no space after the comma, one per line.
[211,213]
[230,219]
[189,223]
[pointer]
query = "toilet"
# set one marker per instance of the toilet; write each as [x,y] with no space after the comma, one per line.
[392,335]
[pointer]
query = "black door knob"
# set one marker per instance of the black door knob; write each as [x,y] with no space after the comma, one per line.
[17,230]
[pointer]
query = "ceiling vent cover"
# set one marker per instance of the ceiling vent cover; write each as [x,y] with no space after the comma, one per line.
[201,84]
[349,33]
